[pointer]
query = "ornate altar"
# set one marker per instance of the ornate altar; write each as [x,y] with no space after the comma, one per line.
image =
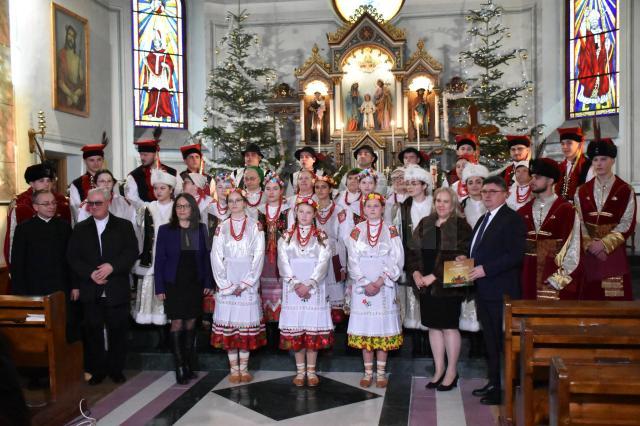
[369,89]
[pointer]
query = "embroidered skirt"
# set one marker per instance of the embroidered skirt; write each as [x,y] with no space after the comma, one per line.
[304,339]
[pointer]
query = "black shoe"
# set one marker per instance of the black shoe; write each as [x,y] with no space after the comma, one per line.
[485,390]
[96,379]
[117,377]
[492,398]
[446,388]
[176,346]
[189,345]
[433,385]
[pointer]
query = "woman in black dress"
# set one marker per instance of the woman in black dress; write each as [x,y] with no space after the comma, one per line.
[440,237]
[182,276]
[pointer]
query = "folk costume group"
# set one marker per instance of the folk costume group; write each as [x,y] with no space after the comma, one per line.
[269,261]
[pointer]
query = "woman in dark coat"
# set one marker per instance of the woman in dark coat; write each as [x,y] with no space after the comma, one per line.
[182,277]
[439,237]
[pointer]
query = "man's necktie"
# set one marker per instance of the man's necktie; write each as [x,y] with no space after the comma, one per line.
[480,233]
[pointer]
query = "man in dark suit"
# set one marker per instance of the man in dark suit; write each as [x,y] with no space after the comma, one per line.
[39,266]
[101,252]
[497,273]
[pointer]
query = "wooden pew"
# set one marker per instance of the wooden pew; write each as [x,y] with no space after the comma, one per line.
[539,343]
[552,312]
[42,343]
[593,393]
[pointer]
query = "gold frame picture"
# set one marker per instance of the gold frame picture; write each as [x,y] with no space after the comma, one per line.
[70,61]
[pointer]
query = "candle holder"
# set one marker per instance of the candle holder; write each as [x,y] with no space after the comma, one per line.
[33,142]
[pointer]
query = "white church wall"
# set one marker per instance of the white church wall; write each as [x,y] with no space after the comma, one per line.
[31,52]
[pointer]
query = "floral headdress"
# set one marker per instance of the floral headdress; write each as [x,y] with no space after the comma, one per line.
[274,178]
[240,191]
[374,196]
[308,201]
[224,177]
[365,173]
[326,178]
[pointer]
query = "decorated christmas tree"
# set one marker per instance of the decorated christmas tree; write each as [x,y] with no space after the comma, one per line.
[236,111]
[503,105]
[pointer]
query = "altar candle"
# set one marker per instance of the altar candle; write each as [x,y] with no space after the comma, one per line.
[318,138]
[393,136]
[418,130]
[341,138]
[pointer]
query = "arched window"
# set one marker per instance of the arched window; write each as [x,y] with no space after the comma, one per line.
[158,61]
[593,58]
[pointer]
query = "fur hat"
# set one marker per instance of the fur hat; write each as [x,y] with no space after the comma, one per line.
[472,170]
[415,172]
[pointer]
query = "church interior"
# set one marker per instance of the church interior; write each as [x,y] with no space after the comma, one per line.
[331,78]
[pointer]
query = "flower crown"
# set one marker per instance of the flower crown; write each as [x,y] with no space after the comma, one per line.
[234,189]
[308,201]
[365,173]
[224,177]
[330,181]
[274,178]
[374,196]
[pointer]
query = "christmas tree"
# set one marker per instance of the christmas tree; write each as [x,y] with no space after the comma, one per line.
[236,111]
[484,64]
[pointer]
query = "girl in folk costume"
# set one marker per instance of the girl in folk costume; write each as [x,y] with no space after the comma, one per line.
[119,205]
[253,179]
[304,256]
[149,309]
[354,214]
[418,205]
[305,190]
[395,197]
[520,191]
[273,217]
[473,175]
[459,186]
[237,257]
[327,220]
[376,259]
[196,185]
[351,194]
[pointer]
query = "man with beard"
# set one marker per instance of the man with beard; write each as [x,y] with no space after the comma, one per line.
[575,169]
[607,209]
[138,188]
[71,79]
[550,267]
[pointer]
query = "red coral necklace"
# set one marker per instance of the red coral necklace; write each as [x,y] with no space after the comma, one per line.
[235,236]
[373,239]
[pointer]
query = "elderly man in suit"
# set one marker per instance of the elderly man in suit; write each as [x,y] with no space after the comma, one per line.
[497,273]
[101,251]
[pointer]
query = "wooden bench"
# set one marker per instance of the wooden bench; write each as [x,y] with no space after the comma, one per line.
[593,393]
[540,343]
[552,312]
[42,342]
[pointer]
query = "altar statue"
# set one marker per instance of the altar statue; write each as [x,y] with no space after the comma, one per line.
[354,101]
[384,105]
[421,110]
[368,108]
[317,117]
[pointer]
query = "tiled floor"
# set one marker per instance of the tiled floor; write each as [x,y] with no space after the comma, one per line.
[153,398]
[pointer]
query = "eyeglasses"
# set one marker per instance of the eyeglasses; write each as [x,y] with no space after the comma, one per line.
[47,204]
[183,207]
[95,203]
[490,191]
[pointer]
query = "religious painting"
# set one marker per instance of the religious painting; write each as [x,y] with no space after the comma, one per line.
[158,61]
[593,58]
[70,61]
[367,88]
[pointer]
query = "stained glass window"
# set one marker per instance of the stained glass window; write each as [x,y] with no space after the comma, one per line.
[158,55]
[593,58]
